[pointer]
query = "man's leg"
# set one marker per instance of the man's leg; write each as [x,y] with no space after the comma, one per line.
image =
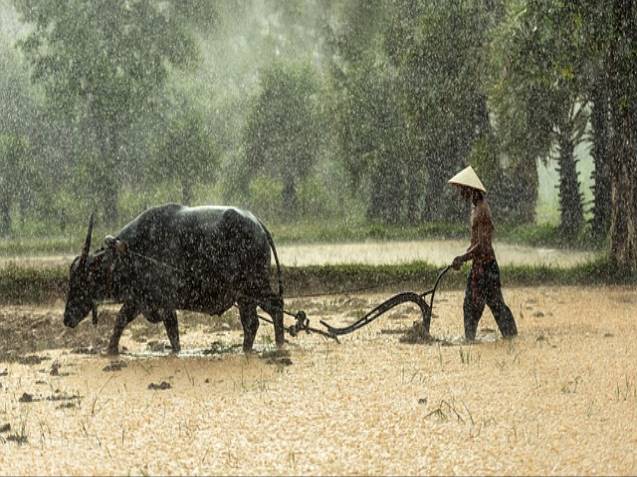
[495,301]
[473,307]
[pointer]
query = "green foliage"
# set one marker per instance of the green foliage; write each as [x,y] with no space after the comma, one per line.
[21,168]
[539,93]
[107,58]
[16,107]
[17,176]
[101,64]
[315,201]
[350,229]
[20,285]
[369,123]
[133,202]
[547,235]
[319,198]
[379,141]
[265,196]
[438,49]
[282,135]
[185,153]
[346,115]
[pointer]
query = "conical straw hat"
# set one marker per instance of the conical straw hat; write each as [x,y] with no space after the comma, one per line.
[468,177]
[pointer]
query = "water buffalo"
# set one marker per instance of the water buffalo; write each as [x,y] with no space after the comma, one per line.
[172,257]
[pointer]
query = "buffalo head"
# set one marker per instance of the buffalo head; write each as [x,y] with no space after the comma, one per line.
[88,278]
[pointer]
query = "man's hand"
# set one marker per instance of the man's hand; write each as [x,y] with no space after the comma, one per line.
[457,263]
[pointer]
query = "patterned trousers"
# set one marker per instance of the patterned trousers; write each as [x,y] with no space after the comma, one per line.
[483,287]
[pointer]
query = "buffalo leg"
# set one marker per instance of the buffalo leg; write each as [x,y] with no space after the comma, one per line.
[273,306]
[172,329]
[127,313]
[250,323]
[153,315]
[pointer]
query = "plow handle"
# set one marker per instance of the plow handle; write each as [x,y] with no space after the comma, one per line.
[404,297]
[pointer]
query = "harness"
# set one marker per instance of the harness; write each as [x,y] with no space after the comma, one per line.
[302,321]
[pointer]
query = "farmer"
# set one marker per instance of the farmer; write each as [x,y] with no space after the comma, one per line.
[483,283]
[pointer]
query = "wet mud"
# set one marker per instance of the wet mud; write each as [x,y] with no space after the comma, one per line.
[559,399]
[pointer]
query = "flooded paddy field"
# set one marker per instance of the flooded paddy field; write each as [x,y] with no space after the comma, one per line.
[436,252]
[561,398]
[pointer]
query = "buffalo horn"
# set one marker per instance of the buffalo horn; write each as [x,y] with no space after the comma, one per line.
[87,243]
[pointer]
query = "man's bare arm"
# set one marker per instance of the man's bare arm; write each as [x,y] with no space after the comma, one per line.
[482,240]
[468,255]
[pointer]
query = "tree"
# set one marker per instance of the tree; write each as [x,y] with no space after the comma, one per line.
[15,176]
[621,64]
[438,50]
[600,137]
[370,128]
[101,64]
[609,31]
[368,118]
[540,98]
[185,152]
[282,135]
[20,128]
[388,171]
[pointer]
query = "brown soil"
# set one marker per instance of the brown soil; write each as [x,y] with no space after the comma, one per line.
[559,399]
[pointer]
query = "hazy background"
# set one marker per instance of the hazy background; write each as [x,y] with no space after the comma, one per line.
[324,111]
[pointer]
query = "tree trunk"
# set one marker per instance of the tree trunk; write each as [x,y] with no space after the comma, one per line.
[571,212]
[5,218]
[622,68]
[111,183]
[525,177]
[414,194]
[109,201]
[386,194]
[105,175]
[186,192]
[601,174]
[435,203]
[623,229]
[290,202]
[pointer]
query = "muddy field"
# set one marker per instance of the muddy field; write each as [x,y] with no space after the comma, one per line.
[436,252]
[559,399]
